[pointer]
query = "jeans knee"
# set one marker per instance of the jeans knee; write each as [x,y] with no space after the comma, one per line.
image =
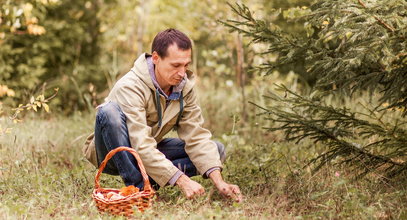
[221,150]
[110,114]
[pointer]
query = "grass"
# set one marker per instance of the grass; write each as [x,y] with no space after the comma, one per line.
[43,175]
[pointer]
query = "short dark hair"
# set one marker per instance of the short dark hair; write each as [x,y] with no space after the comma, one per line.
[166,38]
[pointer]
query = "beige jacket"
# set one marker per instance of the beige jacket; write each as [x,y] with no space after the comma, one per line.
[135,94]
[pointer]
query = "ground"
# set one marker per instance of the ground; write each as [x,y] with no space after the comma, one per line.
[43,175]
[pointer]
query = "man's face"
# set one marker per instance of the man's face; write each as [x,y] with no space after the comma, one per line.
[172,69]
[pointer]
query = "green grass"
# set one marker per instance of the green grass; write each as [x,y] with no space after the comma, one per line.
[43,175]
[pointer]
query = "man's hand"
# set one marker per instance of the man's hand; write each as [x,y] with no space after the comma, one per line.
[227,190]
[189,187]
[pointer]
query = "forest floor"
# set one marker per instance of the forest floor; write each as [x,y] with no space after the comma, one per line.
[44,175]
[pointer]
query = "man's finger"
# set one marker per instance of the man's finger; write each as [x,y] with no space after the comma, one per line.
[239,197]
[201,191]
[236,190]
[238,194]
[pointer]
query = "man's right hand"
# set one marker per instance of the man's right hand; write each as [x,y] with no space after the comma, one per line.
[189,187]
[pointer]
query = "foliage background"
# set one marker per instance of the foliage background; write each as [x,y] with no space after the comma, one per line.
[83,47]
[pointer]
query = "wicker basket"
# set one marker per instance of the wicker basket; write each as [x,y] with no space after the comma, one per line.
[123,206]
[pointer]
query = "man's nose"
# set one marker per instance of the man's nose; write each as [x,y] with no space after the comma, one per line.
[182,72]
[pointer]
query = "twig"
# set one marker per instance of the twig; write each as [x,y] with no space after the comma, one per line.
[378,19]
[20,108]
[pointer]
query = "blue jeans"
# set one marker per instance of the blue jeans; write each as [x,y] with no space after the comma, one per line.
[111,132]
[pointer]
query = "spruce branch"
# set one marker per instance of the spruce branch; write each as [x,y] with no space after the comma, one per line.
[390,28]
[342,131]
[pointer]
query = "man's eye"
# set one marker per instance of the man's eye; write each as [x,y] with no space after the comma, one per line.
[176,66]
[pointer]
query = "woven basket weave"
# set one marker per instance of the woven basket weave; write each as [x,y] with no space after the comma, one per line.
[123,206]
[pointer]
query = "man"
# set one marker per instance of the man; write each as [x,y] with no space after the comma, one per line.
[155,96]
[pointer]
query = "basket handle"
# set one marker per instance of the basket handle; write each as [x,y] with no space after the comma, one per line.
[147,185]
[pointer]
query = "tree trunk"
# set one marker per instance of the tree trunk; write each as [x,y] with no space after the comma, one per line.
[141,24]
[240,74]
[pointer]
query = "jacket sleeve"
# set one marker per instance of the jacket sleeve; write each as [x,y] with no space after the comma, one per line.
[132,103]
[198,145]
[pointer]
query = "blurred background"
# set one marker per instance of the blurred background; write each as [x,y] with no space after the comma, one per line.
[82,47]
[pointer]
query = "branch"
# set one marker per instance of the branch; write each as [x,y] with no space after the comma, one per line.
[309,124]
[387,26]
[40,101]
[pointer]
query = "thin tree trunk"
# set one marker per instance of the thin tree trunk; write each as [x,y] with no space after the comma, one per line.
[141,24]
[194,58]
[240,74]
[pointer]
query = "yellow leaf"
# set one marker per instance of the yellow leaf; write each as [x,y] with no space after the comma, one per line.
[32,99]
[34,107]
[56,89]
[40,98]
[38,104]
[46,107]
[8,130]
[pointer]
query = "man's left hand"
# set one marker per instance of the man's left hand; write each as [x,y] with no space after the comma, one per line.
[227,190]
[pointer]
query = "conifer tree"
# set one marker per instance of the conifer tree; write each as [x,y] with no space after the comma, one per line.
[349,46]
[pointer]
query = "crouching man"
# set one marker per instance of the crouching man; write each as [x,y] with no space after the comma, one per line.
[155,96]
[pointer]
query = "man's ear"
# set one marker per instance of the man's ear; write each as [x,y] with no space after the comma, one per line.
[155,57]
